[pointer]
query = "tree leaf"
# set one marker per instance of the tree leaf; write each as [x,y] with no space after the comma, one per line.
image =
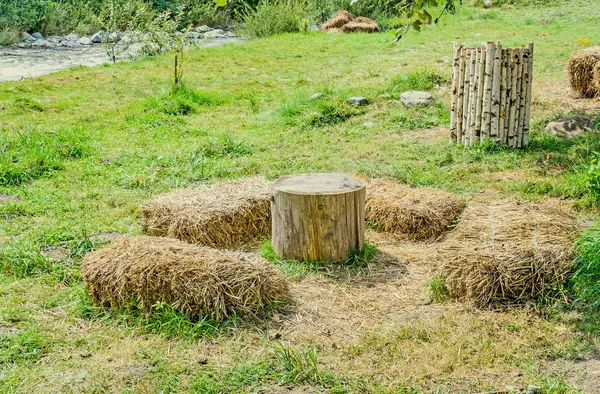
[221,3]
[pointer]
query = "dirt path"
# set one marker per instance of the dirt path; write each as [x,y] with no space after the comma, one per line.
[21,63]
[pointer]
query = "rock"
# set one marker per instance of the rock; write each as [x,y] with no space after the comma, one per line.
[316,96]
[37,35]
[571,127]
[203,29]
[194,35]
[215,33]
[84,41]
[99,37]
[24,45]
[114,37]
[357,101]
[43,44]
[414,98]
[26,37]
[72,37]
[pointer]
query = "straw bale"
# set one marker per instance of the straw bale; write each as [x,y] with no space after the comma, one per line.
[338,20]
[198,281]
[222,215]
[508,251]
[584,72]
[422,213]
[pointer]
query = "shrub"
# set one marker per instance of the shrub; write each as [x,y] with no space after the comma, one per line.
[417,80]
[275,17]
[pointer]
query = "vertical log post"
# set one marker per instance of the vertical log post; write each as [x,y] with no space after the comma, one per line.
[496,80]
[455,87]
[528,95]
[487,89]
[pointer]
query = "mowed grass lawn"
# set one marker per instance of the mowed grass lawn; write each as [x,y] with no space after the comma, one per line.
[81,149]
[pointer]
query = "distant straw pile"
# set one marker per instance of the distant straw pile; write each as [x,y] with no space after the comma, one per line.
[345,22]
[418,213]
[509,251]
[584,72]
[223,215]
[195,280]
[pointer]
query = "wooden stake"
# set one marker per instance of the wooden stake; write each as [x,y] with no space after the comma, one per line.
[455,88]
[496,84]
[468,93]
[522,102]
[503,92]
[480,91]
[460,98]
[528,97]
[487,89]
[513,97]
[518,124]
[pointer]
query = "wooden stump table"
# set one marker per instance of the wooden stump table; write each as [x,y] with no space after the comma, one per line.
[318,217]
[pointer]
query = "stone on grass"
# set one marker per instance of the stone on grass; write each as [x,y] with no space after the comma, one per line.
[194,35]
[85,41]
[26,37]
[203,29]
[72,37]
[37,35]
[414,98]
[571,127]
[357,101]
[316,96]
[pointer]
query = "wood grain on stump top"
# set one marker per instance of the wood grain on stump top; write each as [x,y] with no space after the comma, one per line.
[317,184]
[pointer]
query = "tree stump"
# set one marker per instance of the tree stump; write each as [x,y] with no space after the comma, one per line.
[318,217]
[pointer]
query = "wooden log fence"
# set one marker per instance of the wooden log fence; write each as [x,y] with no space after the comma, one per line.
[491,94]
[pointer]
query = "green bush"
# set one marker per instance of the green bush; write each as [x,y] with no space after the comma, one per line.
[273,17]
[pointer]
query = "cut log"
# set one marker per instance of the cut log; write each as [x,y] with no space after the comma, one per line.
[318,217]
[488,78]
[528,96]
[455,80]
[496,80]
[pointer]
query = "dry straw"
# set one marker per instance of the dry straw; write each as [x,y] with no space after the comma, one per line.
[344,21]
[508,251]
[419,213]
[584,72]
[195,280]
[222,215]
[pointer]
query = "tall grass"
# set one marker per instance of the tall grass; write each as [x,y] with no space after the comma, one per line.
[585,283]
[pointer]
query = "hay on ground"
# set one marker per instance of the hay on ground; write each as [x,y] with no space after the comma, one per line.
[361,24]
[338,20]
[195,280]
[222,215]
[509,251]
[419,213]
[584,72]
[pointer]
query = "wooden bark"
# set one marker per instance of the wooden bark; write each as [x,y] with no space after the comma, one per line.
[479,94]
[487,89]
[518,119]
[496,83]
[460,99]
[473,136]
[469,82]
[505,94]
[528,96]
[455,88]
[317,217]
[513,98]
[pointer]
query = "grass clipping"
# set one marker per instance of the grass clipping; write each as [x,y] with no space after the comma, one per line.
[417,213]
[509,251]
[345,22]
[195,280]
[584,72]
[222,215]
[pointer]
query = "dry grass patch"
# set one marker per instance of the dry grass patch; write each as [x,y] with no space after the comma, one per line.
[584,72]
[345,22]
[508,251]
[222,215]
[418,213]
[195,280]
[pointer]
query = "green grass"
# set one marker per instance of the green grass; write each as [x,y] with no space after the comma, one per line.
[82,148]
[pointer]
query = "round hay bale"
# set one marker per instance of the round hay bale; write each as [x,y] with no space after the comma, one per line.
[222,215]
[422,213]
[584,72]
[508,251]
[195,280]
[338,20]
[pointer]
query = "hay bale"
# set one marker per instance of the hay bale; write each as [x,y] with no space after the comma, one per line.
[195,280]
[222,215]
[338,20]
[419,213]
[509,251]
[584,72]
[360,27]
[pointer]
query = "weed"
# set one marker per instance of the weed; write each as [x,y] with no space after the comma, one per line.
[184,101]
[26,346]
[416,80]
[227,146]
[437,289]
